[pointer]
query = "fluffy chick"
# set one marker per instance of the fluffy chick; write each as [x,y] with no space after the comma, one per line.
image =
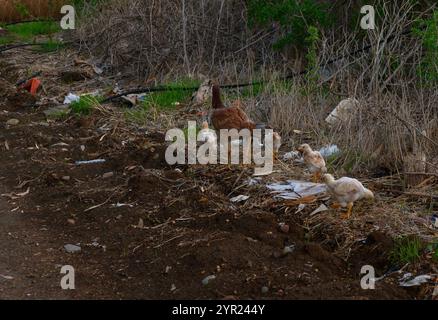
[314,161]
[207,135]
[346,191]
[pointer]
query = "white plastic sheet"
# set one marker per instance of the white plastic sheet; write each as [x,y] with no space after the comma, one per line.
[295,189]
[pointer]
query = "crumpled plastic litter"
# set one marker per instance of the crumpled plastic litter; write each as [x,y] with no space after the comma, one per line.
[71,98]
[343,111]
[239,198]
[292,155]
[321,208]
[404,282]
[295,189]
[329,150]
[78,163]
[32,85]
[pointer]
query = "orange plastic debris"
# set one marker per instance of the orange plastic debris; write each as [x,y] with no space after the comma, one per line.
[32,85]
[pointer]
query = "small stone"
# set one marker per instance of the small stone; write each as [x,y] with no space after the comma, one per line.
[167,270]
[207,279]
[265,289]
[71,221]
[66,178]
[173,287]
[107,175]
[12,122]
[71,248]
[284,227]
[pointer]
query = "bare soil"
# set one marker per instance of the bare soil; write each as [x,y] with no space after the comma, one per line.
[149,231]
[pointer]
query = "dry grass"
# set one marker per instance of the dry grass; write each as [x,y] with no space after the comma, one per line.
[211,40]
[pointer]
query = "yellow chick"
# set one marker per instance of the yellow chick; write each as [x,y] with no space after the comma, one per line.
[207,135]
[346,191]
[314,161]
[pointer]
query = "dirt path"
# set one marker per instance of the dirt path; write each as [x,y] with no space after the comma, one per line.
[28,264]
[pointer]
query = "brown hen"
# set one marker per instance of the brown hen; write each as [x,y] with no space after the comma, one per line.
[228,118]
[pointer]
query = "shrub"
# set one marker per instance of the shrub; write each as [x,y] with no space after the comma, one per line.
[292,16]
[427,30]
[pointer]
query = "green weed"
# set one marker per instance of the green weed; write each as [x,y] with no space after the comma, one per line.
[406,250]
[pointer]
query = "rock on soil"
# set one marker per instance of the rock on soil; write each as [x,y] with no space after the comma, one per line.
[71,248]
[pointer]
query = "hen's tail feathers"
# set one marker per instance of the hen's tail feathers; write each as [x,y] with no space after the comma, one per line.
[216,98]
[369,194]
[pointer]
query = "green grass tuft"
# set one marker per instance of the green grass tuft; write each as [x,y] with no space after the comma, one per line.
[27,31]
[169,99]
[406,250]
[85,105]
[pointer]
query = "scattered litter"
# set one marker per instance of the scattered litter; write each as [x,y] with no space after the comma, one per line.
[71,98]
[32,85]
[253,181]
[297,131]
[71,221]
[172,287]
[295,189]
[239,198]
[343,111]
[288,249]
[71,248]
[78,163]
[301,207]
[6,277]
[292,155]
[167,270]
[96,244]
[265,289]
[119,205]
[12,122]
[321,208]
[404,282]
[329,150]
[207,279]
[134,99]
